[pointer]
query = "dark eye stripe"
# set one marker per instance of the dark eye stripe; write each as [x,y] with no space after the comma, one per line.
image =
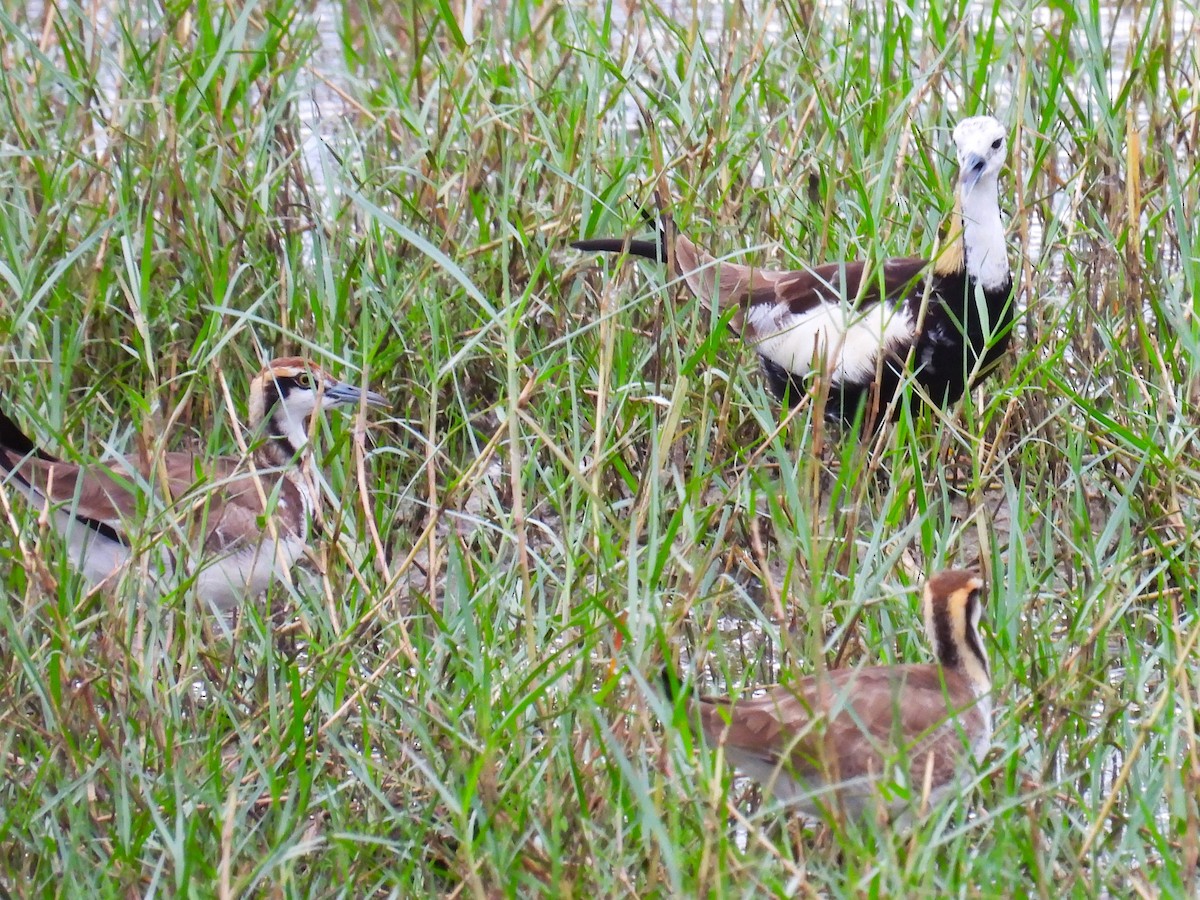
[279,387]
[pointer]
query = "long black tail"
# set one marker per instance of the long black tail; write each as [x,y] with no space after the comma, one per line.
[653,250]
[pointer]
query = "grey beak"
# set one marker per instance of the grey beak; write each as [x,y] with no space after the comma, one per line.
[972,169]
[340,394]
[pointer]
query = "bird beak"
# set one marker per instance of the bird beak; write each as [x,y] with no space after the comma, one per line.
[972,169]
[340,394]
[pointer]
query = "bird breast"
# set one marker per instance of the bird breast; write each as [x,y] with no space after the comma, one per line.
[228,581]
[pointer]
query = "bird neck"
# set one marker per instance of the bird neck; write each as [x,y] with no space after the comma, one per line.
[283,450]
[957,645]
[950,257]
[975,242]
[983,235]
[285,441]
[974,662]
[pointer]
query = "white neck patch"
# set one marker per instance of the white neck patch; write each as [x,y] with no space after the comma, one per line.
[985,252]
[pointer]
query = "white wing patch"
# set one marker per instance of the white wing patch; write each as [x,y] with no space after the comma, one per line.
[842,341]
[95,555]
[224,581]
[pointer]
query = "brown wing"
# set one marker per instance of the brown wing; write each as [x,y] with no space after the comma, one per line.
[726,284]
[901,714]
[96,493]
[793,292]
[226,500]
[844,725]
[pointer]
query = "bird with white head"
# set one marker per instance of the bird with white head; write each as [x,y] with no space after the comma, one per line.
[856,324]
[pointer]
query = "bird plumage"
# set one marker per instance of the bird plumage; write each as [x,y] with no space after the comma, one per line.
[858,324]
[830,741]
[218,505]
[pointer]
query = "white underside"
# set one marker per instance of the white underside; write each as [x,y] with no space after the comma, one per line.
[223,582]
[227,582]
[836,339]
[854,796]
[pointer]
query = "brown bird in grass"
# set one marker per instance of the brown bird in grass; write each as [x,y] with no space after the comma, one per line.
[250,517]
[857,325]
[839,739]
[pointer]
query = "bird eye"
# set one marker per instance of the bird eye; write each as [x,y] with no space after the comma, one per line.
[303,380]
[996,143]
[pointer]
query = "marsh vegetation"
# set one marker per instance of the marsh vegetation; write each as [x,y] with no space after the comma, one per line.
[581,470]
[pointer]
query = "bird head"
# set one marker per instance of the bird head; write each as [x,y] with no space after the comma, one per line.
[953,606]
[289,390]
[982,144]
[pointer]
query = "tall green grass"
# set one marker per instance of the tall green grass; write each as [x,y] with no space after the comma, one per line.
[581,467]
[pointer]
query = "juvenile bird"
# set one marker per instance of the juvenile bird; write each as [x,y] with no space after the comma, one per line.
[251,517]
[832,740]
